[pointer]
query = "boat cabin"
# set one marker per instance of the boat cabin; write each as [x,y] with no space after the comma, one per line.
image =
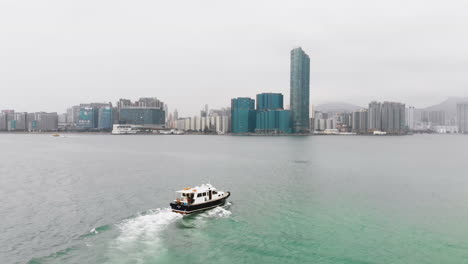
[198,195]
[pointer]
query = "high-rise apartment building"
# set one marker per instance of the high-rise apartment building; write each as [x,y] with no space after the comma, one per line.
[375,116]
[42,121]
[462,117]
[242,115]
[360,121]
[409,118]
[300,90]
[393,117]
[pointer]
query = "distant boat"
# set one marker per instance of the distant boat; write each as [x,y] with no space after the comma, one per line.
[380,133]
[118,129]
[55,135]
[197,199]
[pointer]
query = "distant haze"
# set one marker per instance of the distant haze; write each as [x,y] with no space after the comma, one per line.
[59,53]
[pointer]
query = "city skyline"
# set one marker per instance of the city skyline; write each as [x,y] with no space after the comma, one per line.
[101,52]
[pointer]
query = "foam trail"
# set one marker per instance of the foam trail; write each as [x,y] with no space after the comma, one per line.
[146,227]
[217,212]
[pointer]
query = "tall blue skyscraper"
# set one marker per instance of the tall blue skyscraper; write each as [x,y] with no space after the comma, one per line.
[300,90]
[242,115]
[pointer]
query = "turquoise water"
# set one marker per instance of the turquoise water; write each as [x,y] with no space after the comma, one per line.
[322,199]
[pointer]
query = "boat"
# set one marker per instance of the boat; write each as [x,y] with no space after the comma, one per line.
[199,198]
[55,135]
[119,129]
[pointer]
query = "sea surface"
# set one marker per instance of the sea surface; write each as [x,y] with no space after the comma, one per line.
[85,198]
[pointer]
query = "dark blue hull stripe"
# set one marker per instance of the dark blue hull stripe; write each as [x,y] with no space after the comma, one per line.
[188,209]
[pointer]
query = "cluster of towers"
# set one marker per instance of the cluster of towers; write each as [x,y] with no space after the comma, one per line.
[269,116]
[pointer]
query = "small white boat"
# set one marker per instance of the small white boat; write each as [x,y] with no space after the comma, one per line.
[199,198]
[118,129]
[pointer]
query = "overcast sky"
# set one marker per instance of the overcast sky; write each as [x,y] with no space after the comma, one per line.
[58,53]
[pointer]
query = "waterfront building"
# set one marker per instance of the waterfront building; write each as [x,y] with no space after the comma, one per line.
[410,123]
[319,124]
[148,111]
[180,124]
[166,112]
[393,117]
[88,118]
[203,123]
[115,115]
[360,121]
[344,119]
[437,118]
[43,122]
[299,90]
[462,117]
[273,122]
[434,118]
[105,118]
[312,124]
[194,123]
[243,115]
[269,101]
[198,124]
[188,121]
[3,121]
[271,118]
[330,123]
[6,118]
[73,114]
[375,116]
[148,116]
[19,122]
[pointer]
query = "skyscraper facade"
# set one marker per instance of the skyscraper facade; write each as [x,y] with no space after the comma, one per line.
[43,121]
[105,119]
[271,117]
[462,117]
[393,117]
[269,101]
[360,121]
[375,116]
[242,115]
[149,116]
[88,118]
[299,90]
[409,118]
[273,122]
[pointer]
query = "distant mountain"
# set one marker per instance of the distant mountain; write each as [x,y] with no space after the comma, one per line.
[337,107]
[449,105]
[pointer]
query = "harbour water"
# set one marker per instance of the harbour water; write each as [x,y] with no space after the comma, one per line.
[319,199]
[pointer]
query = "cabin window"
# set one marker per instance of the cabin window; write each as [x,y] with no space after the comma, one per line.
[204,194]
[199,195]
[215,192]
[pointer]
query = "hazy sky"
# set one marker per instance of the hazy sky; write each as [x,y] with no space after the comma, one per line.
[58,53]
